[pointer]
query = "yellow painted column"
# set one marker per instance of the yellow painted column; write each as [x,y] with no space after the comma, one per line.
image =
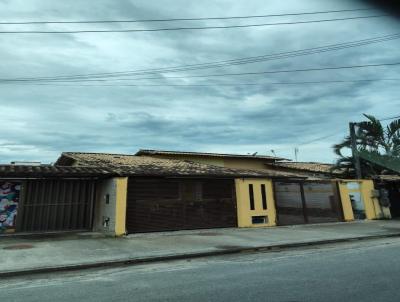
[346,203]
[244,212]
[241,209]
[372,208]
[272,214]
[121,187]
[379,211]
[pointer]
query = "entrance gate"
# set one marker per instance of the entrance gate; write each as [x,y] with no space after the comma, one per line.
[56,205]
[307,202]
[155,205]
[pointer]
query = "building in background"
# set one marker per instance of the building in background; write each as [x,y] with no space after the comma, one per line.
[313,170]
[236,161]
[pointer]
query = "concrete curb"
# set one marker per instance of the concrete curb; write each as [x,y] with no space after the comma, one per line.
[134,261]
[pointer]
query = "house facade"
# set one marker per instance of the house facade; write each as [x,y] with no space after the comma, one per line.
[170,194]
[319,196]
[119,194]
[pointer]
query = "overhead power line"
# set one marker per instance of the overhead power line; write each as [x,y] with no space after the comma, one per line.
[219,64]
[337,132]
[184,28]
[185,19]
[199,85]
[319,139]
[237,74]
[389,118]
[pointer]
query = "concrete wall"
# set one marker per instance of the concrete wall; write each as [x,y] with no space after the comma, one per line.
[110,206]
[373,210]
[244,212]
[243,163]
[346,203]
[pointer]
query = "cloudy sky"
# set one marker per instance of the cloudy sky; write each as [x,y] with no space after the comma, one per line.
[42,119]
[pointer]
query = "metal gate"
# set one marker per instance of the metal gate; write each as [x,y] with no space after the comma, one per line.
[307,202]
[162,205]
[56,205]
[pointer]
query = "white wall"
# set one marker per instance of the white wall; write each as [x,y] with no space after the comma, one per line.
[103,210]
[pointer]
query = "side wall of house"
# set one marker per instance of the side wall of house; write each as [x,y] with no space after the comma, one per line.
[110,207]
[255,203]
[346,202]
[375,210]
[243,163]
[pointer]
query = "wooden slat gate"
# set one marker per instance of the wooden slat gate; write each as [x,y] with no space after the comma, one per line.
[307,202]
[172,204]
[56,205]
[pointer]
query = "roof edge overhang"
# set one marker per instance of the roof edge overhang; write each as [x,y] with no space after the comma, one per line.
[147,152]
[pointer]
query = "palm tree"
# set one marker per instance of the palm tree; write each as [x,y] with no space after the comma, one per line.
[378,148]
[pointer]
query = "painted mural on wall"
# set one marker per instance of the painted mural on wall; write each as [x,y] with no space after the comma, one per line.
[9,199]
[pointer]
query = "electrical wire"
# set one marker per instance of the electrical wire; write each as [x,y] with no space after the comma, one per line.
[237,74]
[184,19]
[184,28]
[319,138]
[219,64]
[389,118]
[337,132]
[200,85]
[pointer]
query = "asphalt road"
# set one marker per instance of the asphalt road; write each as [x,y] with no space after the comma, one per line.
[363,271]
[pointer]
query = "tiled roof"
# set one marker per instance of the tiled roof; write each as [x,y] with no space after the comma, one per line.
[387,177]
[132,165]
[304,166]
[15,171]
[206,154]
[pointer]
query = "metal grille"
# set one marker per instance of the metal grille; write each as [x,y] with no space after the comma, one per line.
[56,205]
[161,205]
[307,202]
[289,203]
[322,202]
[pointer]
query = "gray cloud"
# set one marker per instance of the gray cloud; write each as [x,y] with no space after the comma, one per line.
[39,122]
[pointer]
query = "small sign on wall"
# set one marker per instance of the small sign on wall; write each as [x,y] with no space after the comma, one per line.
[9,200]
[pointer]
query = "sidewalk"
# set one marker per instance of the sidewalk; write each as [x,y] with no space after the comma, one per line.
[24,255]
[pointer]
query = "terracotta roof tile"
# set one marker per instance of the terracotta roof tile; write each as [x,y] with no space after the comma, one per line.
[22,171]
[305,166]
[387,177]
[206,154]
[133,165]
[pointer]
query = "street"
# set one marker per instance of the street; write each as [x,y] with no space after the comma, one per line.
[359,271]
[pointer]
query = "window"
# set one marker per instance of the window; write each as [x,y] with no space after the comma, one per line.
[259,219]
[251,196]
[264,196]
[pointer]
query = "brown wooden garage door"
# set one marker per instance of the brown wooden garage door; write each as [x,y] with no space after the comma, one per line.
[162,204]
[307,202]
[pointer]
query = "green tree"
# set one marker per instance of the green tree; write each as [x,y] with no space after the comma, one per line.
[378,147]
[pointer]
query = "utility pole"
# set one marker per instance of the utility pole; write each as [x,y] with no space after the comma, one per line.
[354,150]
